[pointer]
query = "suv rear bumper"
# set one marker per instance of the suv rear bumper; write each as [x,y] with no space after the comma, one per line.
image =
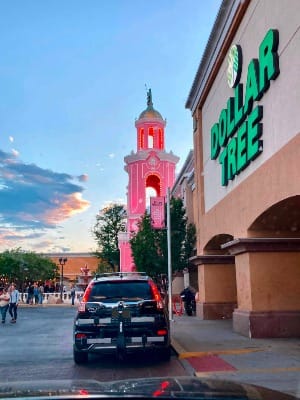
[121,344]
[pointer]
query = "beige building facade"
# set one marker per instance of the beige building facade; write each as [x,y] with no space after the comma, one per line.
[245,105]
[73,269]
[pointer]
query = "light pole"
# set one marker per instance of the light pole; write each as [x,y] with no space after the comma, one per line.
[24,269]
[62,262]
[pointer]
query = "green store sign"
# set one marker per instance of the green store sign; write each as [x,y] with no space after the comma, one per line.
[236,137]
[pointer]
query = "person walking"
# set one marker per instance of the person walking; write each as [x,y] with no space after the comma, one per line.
[4,303]
[73,294]
[41,294]
[36,293]
[14,301]
[30,294]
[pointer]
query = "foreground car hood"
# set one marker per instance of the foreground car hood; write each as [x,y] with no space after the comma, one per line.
[173,387]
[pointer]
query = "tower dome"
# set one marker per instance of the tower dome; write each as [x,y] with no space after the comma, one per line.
[150,112]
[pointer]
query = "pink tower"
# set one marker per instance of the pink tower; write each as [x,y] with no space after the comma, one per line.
[150,167]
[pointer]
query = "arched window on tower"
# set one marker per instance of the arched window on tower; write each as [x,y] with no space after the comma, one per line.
[161,139]
[153,188]
[141,143]
[150,138]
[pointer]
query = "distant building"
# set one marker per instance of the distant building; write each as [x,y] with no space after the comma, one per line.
[73,267]
[184,186]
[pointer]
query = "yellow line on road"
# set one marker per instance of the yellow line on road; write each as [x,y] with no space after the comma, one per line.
[249,371]
[216,352]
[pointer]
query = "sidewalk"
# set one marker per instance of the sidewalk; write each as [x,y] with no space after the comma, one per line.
[211,349]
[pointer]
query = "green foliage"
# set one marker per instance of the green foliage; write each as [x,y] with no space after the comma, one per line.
[109,222]
[104,267]
[145,247]
[20,266]
[149,246]
[190,240]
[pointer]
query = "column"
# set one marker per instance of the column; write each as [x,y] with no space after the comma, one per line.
[268,286]
[217,286]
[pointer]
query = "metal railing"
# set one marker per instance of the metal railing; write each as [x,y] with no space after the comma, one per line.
[51,298]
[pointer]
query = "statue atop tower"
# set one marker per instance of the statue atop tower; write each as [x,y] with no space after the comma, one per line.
[150,167]
[149,98]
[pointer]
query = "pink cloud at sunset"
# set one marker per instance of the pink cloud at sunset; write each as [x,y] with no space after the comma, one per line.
[71,204]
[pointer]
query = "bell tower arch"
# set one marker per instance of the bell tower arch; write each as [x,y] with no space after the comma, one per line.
[150,166]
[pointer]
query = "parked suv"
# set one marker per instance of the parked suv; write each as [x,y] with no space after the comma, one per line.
[121,313]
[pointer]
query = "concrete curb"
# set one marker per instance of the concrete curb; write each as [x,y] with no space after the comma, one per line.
[177,347]
[180,350]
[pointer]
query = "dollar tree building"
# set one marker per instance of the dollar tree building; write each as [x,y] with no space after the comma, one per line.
[245,103]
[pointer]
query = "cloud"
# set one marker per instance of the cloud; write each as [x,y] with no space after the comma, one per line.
[15,152]
[35,198]
[109,203]
[11,139]
[71,204]
[10,236]
[42,245]
[83,178]
[111,155]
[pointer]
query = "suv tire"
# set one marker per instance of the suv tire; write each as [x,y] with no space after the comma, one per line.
[165,354]
[80,357]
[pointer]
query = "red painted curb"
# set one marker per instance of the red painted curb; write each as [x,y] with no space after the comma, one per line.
[209,363]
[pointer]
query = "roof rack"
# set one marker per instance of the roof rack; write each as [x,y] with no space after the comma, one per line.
[120,274]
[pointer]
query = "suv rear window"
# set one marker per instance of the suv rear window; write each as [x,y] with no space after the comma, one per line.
[133,290]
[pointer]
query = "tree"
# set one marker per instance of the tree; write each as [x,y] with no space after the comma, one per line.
[109,222]
[145,247]
[19,266]
[149,246]
[190,241]
[181,240]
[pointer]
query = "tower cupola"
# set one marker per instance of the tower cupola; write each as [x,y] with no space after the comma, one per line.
[150,112]
[150,127]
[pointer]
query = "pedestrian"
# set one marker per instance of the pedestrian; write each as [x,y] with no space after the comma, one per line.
[4,303]
[41,294]
[73,294]
[14,301]
[30,294]
[35,293]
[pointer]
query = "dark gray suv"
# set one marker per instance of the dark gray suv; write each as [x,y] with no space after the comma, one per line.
[121,313]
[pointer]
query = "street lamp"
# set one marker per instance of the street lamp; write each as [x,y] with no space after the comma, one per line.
[24,269]
[62,262]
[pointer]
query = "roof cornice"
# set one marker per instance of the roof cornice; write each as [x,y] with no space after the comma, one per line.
[227,21]
[72,255]
[142,155]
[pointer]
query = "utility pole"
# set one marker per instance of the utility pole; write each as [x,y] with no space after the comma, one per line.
[169,255]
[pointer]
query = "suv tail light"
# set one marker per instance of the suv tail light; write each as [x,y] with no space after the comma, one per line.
[80,336]
[85,298]
[162,332]
[87,293]
[156,295]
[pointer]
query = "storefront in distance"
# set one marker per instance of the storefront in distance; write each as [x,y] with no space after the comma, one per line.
[245,105]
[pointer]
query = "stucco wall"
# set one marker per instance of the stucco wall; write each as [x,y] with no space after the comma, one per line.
[73,265]
[268,281]
[276,180]
[275,279]
[217,283]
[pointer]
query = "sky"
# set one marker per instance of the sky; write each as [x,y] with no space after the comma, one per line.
[73,79]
